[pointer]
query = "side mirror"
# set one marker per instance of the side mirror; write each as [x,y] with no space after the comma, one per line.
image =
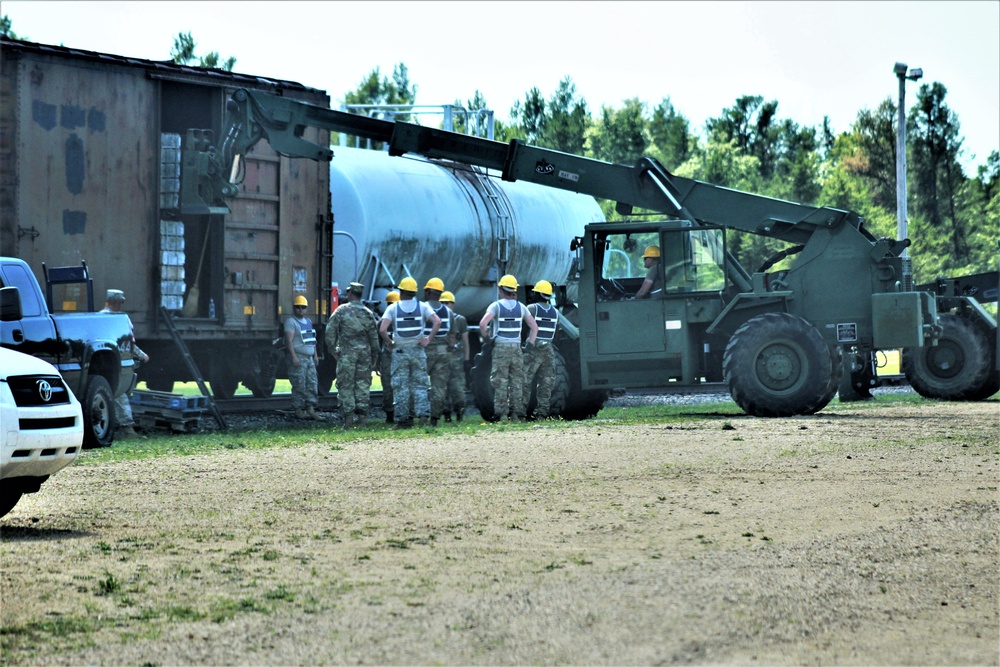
[10,304]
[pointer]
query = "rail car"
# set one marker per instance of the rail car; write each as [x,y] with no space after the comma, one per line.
[91,172]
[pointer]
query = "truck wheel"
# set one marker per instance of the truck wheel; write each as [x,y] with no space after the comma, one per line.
[482,390]
[958,368]
[98,414]
[580,403]
[836,373]
[8,498]
[326,373]
[262,374]
[223,380]
[778,365]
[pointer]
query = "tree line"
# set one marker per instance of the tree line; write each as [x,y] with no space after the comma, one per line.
[953,217]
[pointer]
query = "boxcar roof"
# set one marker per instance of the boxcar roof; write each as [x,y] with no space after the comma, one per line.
[164,66]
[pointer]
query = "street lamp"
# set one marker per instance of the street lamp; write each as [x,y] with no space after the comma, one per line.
[901,72]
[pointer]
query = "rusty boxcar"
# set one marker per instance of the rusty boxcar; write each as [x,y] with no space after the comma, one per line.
[90,147]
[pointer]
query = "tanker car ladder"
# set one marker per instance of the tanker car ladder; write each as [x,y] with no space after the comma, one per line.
[192,367]
[502,212]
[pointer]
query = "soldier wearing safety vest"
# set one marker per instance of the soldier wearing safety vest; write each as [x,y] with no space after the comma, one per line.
[504,319]
[652,284]
[458,351]
[385,364]
[413,324]
[540,359]
[300,341]
[438,358]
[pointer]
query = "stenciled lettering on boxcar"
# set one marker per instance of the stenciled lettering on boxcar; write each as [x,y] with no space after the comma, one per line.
[74,222]
[43,114]
[71,117]
[76,164]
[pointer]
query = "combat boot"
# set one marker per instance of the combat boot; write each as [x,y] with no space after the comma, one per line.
[349,421]
[301,414]
[311,413]
[399,426]
[360,420]
[447,416]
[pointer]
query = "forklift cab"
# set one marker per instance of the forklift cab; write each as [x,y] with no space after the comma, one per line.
[665,330]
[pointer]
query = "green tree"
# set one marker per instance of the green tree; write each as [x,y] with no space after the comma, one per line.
[529,116]
[620,136]
[7,31]
[376,89]
[183,53]
[875,159]
[750,124]
[796,170]
[671,135]
[565,124]
[935,145]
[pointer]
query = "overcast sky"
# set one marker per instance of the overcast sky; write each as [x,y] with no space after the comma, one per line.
[815,58]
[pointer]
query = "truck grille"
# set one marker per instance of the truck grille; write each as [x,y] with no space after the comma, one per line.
[35,390]
[38,424]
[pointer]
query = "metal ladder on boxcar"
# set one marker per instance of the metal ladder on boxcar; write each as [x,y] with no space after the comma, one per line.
[192,367]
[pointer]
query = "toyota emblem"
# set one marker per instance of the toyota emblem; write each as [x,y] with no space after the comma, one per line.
[44,391]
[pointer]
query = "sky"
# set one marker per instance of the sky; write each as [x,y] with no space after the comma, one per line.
[815,58]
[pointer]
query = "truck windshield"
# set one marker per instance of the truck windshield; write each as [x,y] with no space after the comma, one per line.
[685,260]
[14,275]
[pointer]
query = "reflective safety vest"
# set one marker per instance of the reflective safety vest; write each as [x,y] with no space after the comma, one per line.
[307,330]
[408,325]
[546,316]
[509,323]
[444,312]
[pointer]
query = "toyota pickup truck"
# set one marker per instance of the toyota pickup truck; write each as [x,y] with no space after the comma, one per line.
[92,351]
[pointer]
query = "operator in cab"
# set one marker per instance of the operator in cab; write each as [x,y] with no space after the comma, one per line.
[652,284]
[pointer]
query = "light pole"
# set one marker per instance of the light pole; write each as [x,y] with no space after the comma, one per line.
[901,73]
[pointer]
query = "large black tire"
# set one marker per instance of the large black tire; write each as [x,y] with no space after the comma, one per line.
[160,383]
[98,414]
[223,379]
[958,368]
[580,403]
[262,375]
[836,373]
[326,373]
[8,498]
[778,365]
[482,390]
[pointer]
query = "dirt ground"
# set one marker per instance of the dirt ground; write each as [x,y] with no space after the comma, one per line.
[865,535]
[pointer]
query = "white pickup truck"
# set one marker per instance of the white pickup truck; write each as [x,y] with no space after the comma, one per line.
[41,425]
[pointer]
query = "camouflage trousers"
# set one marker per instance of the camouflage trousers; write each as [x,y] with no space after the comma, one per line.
[507,380]
[354,381]
[540,367]
[385,369]
[455,397]
[410,383]
[438,372]
[305,384]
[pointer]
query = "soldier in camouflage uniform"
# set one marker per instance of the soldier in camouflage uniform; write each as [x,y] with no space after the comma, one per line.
[504,318]
[352,338]
[438,352]
[540,359]
[300,342]
[458,345]
[385,365]
[409,319]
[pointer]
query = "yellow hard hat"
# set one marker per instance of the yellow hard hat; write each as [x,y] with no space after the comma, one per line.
[447,297]
[543,287]
[651,251]
[435,284]
[300,301]
[508,282]
[408,284]
[392,297]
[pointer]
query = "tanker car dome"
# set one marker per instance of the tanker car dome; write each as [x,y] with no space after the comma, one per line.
[447,297]
[508,282]
[300,301]
[392,297]
[651,251]
[408,284]
[543,287]
[435,284]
